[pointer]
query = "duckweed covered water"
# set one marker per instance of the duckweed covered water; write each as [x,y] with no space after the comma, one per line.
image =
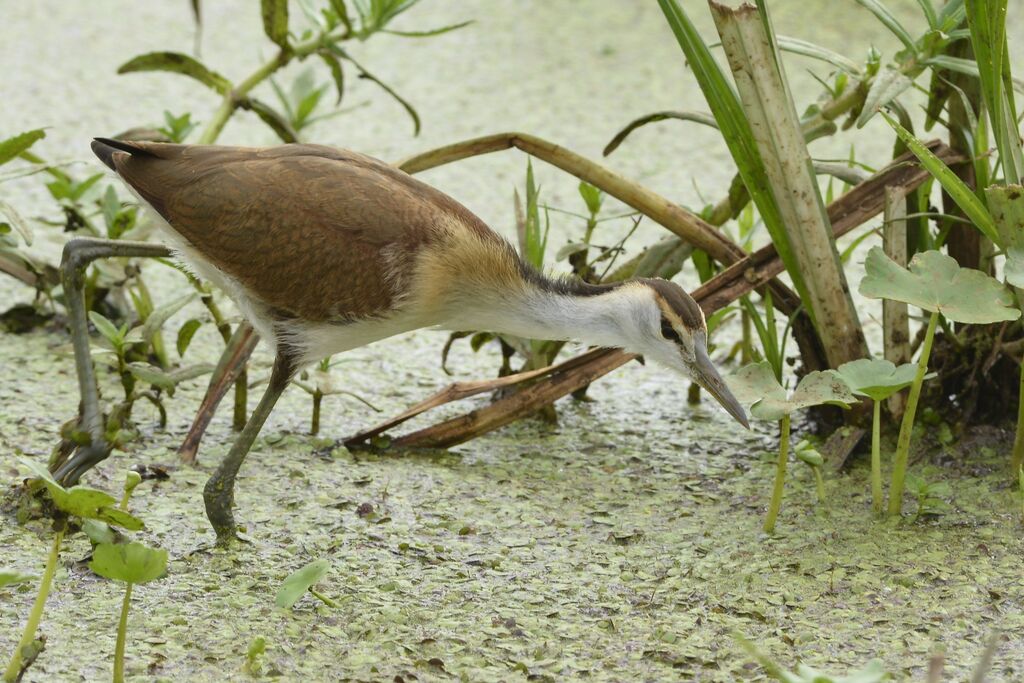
[623,544]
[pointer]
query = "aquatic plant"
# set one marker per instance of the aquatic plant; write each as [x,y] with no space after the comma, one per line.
[877,379]
[302,581]
[756,384]
[133,563]
[934,283]
[78,501]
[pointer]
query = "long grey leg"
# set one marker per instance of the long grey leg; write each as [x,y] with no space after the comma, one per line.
[78,254]
[219,493]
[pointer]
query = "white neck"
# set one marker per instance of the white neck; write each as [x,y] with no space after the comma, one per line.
[535,313]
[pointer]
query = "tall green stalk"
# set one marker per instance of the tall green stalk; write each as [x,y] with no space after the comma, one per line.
[780,477]
[36,615]
[899,470]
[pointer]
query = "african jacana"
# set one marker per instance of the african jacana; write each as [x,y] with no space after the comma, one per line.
[326,250]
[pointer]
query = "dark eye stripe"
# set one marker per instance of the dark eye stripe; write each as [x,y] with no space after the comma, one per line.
[669,332]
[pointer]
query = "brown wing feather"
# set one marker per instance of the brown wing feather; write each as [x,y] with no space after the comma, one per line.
[310,231]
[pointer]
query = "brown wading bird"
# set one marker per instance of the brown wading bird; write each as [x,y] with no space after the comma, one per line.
[326,250]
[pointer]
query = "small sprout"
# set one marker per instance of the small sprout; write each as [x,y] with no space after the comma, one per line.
[936,283]
[878,380]
[78,501]
[254,654]
[131,480]
[808,454]
[302,580]
[929,496]
[98,532]
[83,501]
[756,385]
[132,563]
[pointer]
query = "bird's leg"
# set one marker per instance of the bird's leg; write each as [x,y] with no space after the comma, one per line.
[219,493]
[78,254]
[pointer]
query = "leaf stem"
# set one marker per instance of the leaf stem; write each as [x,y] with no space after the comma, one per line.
[877,495]
[780,476]
[323,598]
[899,470]
[36,615]
[122,630]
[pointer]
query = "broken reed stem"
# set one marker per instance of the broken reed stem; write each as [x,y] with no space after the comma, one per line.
[780,477]
[678,220]
[899,470]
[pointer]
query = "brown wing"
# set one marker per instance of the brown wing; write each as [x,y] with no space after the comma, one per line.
[312,232]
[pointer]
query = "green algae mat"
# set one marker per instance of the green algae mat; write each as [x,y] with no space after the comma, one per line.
[624,544]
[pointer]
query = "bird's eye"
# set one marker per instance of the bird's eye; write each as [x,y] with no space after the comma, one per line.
[669,332]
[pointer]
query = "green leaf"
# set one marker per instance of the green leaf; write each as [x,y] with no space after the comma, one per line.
[98,532]
[755,384]
[1013,270]
[274,119]
[883,14]
[152,375]
[409,109]
[592,197]
[808,49]
[877,378]
[15,145]
[429,32]
[185,334]
[956,188]
[694,116]
[337,73]
[106,328]
[300,581]
[275,21]
[886,87]
[155,320]
[937,283]
[16,221]
[9,577]
[118,517]
[929,13]
[176,62]
[1006,205]
[129,562]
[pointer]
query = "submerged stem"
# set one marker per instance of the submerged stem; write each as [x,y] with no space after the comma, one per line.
[899,470]
[877,495]
[780,476]
[36,615]
[122,631]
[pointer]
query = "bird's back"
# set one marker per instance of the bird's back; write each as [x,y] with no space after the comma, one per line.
[310,232]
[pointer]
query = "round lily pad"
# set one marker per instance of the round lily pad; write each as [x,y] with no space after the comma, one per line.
[129,562]
[937,283]
[878,378]
[755,384]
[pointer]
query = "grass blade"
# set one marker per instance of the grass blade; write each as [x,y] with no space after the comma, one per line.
[956,188]
[883,14]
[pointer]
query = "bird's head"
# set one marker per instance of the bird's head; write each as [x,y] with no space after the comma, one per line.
[668,326]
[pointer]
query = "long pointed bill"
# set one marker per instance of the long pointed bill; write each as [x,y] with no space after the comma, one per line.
[707,376]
